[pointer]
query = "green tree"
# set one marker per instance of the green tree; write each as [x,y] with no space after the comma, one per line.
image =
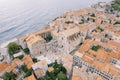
[28,73]
[52,76]
[116,5]
[62,76]
[63,70]
[34,60]
[9,76]
[58,73]
[42,78]
[57,70]
[13,48]
[20,57]
[106,35]
[82,21]
[48,38]
[100,28]
[92,15]
[24,68]
[52,64]
[95,48]
[68,22]
[26,50]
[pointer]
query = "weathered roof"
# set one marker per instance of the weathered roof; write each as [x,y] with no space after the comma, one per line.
[28,61]
[33,39]
[3,66]
[32,77]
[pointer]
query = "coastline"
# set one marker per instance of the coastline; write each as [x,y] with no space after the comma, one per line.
[29,25]
[4,45]
[45,26]
[79,44]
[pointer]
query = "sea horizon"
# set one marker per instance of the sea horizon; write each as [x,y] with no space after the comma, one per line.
[19,18]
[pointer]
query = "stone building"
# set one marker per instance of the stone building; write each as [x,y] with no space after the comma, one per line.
[69,39]
[35,42]
[36,45]
[40,68]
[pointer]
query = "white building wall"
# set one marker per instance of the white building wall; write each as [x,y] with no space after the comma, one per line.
[116,38]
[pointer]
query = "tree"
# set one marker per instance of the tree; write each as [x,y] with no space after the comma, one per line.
[28,73]
[13,48]
[26,50]
[59,72]
[9,76]
[106,35]
[56,65]
[82,21]
[51,75]
[34,60]
[95,48]
[52,64]
[100,28]
[42,78]
[20,57]
[116,5]
[24,68]
[63,70]
[68,22]
[62,76]
[48,38]
[92,15]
